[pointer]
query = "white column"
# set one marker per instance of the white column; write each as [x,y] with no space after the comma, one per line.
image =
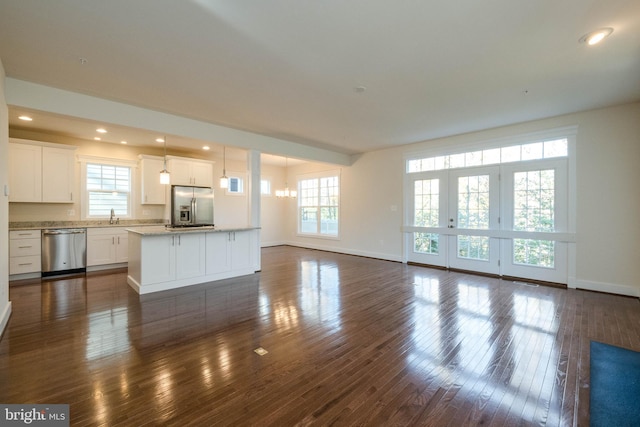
[253,166]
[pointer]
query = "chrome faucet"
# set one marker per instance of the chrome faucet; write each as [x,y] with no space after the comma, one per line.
[112,215]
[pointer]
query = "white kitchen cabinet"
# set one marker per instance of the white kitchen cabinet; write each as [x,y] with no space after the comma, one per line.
[218,253]
[58,175]
[41,172]
[230,251]
[25,173]
[190,172]
[156,259]
[24,251]
[107,245]
[153,193]
[190,255]
[166,258]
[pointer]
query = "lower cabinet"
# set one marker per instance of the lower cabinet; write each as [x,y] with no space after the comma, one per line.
[167,258]
[107,245]
[230,251]
[24,252]
[190,255]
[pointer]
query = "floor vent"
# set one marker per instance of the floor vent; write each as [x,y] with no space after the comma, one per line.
[533,285]
[261,351]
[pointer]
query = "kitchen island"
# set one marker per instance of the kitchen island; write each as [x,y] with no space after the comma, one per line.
[162,258]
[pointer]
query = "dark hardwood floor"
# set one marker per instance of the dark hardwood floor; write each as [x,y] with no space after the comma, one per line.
[350,341]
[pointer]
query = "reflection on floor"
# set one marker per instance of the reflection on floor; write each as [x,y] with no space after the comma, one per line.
[350,340]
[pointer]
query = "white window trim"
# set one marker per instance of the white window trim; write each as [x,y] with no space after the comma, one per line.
[84,202]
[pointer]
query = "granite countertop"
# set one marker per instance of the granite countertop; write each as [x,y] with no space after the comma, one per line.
[38,225]
[161,229]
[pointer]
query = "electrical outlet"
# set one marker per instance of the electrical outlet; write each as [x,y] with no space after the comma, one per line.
[71,212]
[146,212]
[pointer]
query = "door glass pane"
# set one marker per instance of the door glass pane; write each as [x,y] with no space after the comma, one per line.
[534,200]
[473,202]
[426,203]
[538,253]
[473,247]
[426,243]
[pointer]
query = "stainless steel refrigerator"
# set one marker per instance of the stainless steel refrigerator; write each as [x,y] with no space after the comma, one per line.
[191,206]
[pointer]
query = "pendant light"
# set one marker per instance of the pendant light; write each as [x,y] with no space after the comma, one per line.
[165,178]
[286,192]
[224,181]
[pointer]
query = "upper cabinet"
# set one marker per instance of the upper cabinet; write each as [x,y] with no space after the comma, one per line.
[190,172]
[25,173]
[58,175]
[153,193]
[41,172]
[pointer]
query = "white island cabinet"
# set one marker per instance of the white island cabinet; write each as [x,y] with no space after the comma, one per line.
[161,259]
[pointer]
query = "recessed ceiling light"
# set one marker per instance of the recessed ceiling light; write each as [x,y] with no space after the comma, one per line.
[359,89]
[25,118]
[206,147]
[123,142]
[595,37]
[101,130]
[159,139]
[97,138]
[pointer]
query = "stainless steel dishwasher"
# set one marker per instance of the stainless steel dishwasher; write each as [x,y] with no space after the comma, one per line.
[64,250]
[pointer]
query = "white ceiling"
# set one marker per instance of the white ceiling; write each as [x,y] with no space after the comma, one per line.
[289,69]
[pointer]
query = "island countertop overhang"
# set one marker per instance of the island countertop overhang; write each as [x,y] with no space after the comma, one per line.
[163,230]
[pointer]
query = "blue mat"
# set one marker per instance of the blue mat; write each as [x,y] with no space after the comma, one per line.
[615,386]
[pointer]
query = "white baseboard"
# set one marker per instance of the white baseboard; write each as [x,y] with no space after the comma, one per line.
[376,255]
[4,317]
[269,244]
[610,288]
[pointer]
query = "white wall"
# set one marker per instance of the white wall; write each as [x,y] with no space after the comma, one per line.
[5,304]
[608,199]
[272,215]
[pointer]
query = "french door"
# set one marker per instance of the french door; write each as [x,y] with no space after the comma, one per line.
[499,219]
[474,208]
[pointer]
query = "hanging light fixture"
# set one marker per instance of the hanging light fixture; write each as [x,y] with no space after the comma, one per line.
[165,178]
[286,192]
[224,181]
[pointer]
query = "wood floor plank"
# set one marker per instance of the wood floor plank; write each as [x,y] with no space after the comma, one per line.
[350,341]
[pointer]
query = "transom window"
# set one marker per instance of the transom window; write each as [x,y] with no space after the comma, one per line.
[492,156]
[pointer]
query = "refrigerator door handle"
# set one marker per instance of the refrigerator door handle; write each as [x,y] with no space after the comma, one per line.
[194,205]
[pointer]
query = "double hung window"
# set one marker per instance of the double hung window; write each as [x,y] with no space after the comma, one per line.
[106,185]
[319,204]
